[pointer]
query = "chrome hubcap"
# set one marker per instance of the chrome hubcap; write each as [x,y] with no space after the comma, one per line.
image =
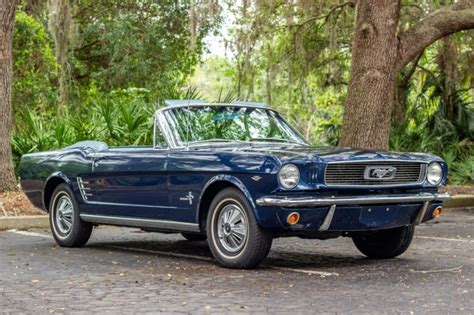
[232,228]
[64,213]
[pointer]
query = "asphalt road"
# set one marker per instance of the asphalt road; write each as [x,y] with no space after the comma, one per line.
[128,271]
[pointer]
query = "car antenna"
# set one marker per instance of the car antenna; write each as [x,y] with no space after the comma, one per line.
[187,126]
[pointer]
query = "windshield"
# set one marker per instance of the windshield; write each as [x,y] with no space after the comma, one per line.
[194,125]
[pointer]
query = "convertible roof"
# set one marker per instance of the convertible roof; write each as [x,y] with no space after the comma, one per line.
[200,102]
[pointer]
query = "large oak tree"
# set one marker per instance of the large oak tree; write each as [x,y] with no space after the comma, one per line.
[7,19]
[379,52]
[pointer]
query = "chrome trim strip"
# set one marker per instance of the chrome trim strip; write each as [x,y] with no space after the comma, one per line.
[328,219]
[421,213]
[142,223]
[122,204]
[82,189]
[282,201]
[212,104]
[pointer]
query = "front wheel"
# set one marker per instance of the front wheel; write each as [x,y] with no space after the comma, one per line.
[385,243]
[234,236]
[66,225]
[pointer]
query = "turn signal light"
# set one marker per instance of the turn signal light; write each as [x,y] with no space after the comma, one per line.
[437,212]
[293,218]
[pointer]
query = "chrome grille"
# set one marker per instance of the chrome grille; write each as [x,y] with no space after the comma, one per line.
[352,174]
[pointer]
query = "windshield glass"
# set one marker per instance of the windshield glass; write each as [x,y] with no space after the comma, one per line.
[194,125]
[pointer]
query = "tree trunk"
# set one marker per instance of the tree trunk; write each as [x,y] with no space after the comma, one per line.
[7,19]
[401,91]
[61,27]
[379,53]
[368,107]
[399,104]
[447,60]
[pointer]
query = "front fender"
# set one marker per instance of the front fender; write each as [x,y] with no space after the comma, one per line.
[234,181]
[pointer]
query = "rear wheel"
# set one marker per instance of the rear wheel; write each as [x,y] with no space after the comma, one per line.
[194,236]
[66,225]
[385,243]
[235,238]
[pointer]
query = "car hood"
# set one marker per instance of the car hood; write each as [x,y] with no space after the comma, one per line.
[286,152]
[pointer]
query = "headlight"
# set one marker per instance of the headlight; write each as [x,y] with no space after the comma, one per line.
[289,176]
[434,174]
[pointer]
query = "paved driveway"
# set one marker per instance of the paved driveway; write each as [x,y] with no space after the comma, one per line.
[126,270]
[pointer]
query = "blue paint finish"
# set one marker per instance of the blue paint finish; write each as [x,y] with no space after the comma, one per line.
[137,177]
[236,182]
[143,182]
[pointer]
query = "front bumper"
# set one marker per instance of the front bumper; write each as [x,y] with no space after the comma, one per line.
[351,213]
[287,202]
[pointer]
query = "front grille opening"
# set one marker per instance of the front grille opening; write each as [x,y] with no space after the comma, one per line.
[352,174]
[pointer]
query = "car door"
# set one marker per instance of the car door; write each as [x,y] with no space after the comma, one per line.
[131,182]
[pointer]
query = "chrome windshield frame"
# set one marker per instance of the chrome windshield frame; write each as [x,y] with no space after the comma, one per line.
[161,122]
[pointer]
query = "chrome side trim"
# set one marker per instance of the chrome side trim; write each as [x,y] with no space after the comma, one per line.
[123,204]
[328,219]
[421,213]
[141,223]
[283,201]
[83,189]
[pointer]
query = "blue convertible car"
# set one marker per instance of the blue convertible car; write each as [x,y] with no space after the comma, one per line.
[239,175]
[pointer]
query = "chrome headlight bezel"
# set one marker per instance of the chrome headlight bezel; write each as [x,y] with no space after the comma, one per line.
[289,176]
[434,173]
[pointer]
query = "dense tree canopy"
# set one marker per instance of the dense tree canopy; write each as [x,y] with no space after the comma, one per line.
[106,65]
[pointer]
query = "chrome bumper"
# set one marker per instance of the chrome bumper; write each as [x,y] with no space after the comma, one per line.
[282,201]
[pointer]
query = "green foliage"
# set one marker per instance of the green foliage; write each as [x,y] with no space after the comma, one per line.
[128,56]
[35,68]
[144,44]
[462,172]
[120,118]
[429,129]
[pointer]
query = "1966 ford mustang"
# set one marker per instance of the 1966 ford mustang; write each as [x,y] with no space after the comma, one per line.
[239,175]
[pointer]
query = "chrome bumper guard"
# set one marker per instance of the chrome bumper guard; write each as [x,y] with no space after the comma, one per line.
[334,201]
[281,201]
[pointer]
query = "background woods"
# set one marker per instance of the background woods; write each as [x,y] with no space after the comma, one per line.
[402,72]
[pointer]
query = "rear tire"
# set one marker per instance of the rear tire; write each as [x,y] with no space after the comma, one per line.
[385,244]
[194,237]
[66,225]
[234,236]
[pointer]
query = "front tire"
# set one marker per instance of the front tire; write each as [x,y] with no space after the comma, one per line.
[234,236]
[385,244]
[66,225]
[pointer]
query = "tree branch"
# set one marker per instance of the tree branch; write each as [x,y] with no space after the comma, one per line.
[433,77]
[407,76]
[443,22]
[324,16]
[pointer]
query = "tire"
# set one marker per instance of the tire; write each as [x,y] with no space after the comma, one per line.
[243,243]
[385,244]
[66,225]
[194,237]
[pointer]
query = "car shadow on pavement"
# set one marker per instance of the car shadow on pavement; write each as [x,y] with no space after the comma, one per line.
[199,250]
